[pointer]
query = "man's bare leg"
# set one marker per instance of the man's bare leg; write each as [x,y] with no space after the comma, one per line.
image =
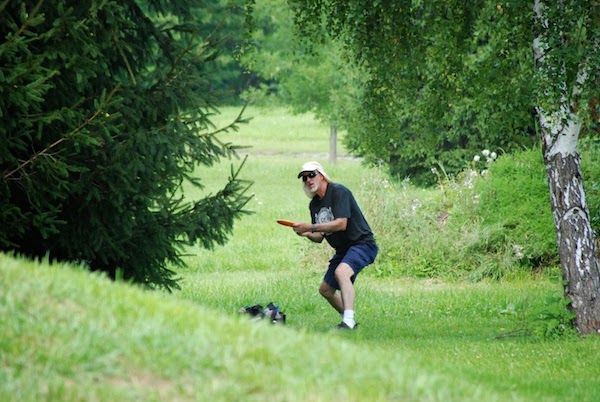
[343,275]
[332,297]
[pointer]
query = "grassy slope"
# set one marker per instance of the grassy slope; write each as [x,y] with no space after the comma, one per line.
[70,335]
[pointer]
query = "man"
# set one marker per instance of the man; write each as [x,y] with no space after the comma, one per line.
[337,218]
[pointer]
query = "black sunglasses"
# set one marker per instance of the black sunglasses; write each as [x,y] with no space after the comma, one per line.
[312,175]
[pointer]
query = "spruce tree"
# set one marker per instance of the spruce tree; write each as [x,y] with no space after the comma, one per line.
[104,116]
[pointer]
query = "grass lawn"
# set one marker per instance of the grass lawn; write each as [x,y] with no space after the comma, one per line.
[459,329]
[68,335]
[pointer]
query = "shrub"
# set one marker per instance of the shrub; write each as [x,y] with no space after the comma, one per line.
[514,202]
[489,223]
[412,228]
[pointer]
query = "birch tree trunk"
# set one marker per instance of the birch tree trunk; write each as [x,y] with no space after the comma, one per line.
[560,130]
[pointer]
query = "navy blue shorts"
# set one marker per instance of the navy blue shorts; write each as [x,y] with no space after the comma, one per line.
[357,257]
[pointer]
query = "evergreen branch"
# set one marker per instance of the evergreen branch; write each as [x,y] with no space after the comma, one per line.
[122,53]
[26,24]
[206,44]
[3,5]
[149,25]
[187,49]
[231,125]
[62,139]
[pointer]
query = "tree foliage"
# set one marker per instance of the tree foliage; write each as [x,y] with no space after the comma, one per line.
[105,114]
[307,77]
[226,21]
[448,78]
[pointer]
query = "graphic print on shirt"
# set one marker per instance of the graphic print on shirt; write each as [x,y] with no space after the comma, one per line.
[325,215]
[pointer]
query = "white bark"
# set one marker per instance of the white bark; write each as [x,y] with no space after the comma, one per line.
[560,129]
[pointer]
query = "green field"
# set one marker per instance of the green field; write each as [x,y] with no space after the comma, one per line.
[68,335]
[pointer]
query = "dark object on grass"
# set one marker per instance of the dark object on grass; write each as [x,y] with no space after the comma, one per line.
[271,312]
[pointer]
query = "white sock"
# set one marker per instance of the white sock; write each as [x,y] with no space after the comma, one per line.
[348,318]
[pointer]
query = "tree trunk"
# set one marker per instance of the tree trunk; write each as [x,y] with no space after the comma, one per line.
[560,128]
[575,239]
[333,144]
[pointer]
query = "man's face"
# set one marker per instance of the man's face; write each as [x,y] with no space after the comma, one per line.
[312,180]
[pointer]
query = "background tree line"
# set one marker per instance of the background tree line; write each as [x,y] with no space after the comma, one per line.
[458,80]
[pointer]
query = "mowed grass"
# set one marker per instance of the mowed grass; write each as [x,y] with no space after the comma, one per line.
[276,131]
[68,335]
[466,330]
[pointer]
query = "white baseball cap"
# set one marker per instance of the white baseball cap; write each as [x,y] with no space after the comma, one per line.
[311,167]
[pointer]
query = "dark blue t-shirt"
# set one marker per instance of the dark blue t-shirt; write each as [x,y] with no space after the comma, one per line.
[339,202]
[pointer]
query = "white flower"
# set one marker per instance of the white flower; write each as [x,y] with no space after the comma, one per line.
[476,158]
[518,250]
[493,155]
[415,205]
[485,152]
